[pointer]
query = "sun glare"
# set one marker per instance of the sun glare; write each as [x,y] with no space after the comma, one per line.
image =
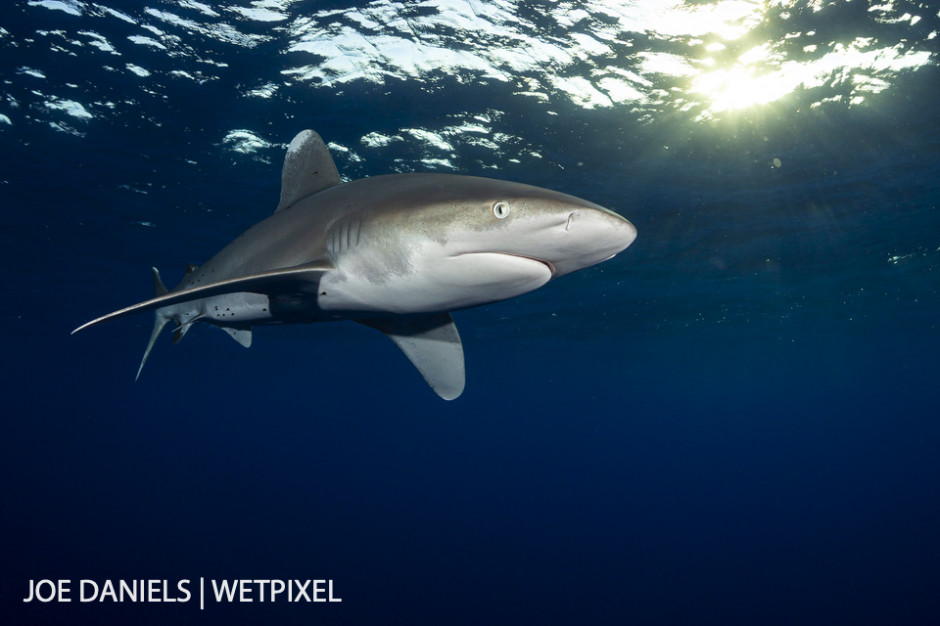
[714,81]
[706,58]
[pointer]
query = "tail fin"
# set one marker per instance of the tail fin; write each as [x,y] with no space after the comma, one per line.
[159,319]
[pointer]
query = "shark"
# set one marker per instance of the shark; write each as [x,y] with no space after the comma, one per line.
[397,252]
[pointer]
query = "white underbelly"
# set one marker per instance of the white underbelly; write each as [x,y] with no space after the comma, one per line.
[432,285]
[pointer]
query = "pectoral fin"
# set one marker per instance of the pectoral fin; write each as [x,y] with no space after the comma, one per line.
[268,282]
[432,344]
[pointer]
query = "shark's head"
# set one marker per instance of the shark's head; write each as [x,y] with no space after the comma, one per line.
[563,232]
[456,241]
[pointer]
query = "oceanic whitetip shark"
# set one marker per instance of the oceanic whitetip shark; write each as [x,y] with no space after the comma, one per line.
[395,252]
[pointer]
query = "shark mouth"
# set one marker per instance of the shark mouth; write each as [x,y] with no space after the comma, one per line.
[548,264]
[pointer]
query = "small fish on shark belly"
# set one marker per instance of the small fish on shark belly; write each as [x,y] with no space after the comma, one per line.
[397,252]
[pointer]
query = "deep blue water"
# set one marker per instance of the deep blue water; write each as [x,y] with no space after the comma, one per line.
[734,421]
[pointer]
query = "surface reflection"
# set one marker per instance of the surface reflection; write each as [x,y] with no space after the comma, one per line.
[703,57]
[758,72]
[701,60]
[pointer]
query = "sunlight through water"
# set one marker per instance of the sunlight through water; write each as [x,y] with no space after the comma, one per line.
[765,71]
[704,61]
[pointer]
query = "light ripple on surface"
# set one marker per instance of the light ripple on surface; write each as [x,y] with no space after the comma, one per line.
[72,7]
[645,57]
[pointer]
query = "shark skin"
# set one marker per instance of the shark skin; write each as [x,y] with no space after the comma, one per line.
[397,253]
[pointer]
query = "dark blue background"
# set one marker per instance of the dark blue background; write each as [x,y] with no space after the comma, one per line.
[735,421]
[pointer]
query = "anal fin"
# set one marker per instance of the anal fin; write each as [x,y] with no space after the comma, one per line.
[432,344]
[241,335]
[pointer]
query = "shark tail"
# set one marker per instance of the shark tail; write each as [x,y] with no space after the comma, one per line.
[159,319]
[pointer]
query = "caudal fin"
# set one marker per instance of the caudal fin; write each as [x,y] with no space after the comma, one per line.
[159,320]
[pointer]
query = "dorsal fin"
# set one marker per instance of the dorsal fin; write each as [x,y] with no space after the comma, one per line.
[159,289]
[308,168]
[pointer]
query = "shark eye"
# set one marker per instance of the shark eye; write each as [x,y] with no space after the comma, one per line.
[501,210]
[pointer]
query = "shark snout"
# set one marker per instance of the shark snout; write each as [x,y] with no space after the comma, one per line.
[606,228]
[588,236]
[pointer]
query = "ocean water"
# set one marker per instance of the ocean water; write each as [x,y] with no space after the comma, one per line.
[734,421]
